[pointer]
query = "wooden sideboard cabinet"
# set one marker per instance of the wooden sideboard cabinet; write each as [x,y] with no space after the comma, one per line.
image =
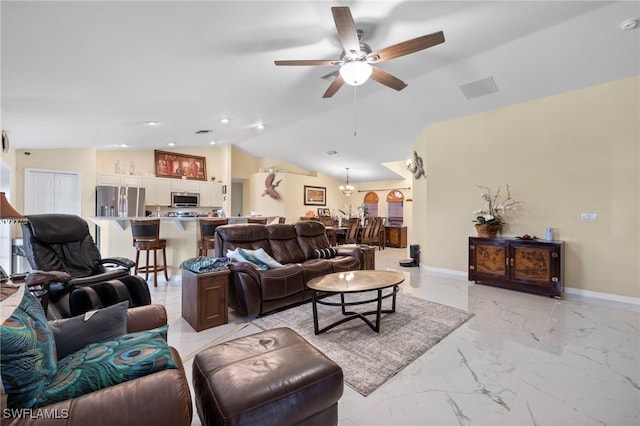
[534,266]
[396,236]
[204,298]
[369,257]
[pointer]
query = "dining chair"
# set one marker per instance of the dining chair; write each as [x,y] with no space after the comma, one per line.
[382,234]
[351,236]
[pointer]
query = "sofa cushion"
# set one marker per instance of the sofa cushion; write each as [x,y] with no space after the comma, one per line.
[284,244]
[72,334]
[245,235]
[108,363]
[28,356]
[311,236]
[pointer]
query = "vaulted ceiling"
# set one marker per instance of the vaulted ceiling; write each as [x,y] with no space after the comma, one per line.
[91,74]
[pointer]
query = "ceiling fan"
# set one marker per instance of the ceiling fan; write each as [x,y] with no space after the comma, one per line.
[357,61]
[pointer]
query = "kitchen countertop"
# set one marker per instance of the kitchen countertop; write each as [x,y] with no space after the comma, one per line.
[180,221]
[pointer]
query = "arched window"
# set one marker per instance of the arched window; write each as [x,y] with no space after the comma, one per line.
[371,201]
[395,203]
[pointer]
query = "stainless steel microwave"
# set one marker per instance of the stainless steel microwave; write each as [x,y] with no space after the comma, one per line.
[185,199]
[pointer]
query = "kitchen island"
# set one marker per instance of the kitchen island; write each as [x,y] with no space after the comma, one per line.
[113,236]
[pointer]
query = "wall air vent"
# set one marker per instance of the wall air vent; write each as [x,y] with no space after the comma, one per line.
[482,87]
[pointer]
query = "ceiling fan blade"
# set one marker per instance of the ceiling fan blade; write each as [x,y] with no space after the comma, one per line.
[387,79]
[406,47]
[334,87]
[304,62]
[346,30]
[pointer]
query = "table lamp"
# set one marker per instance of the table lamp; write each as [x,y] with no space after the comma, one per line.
[7,213]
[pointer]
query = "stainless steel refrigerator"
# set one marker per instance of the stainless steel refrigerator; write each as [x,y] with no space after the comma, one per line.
[120,201]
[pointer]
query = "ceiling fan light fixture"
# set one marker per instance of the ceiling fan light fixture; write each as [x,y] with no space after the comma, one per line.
[355,73]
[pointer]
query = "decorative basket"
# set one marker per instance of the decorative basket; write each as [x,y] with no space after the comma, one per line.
[488,231]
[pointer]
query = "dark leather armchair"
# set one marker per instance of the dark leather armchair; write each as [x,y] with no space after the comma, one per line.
[62,242]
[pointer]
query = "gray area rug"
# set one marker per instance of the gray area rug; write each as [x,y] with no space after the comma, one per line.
[368,359]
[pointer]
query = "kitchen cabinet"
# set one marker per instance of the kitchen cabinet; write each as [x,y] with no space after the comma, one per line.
[210,194]
[535,266]
[118,180]
[157,191]
[184,185]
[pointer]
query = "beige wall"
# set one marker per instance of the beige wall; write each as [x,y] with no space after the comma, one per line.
[564,155]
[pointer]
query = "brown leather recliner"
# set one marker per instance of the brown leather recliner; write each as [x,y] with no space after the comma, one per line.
[254,291]
[161,398]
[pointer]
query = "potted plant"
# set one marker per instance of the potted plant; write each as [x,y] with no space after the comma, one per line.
[489,220]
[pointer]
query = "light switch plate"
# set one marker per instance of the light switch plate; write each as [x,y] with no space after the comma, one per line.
[589,217]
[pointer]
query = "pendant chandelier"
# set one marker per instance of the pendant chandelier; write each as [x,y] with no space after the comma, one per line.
[347,189]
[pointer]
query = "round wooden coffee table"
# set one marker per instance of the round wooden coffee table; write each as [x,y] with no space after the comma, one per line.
[355,282]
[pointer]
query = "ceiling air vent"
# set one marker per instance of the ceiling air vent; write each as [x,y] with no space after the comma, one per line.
[199,132]
[332,152]
[475,89]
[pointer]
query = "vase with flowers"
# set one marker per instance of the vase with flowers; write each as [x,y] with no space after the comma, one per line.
[490,219]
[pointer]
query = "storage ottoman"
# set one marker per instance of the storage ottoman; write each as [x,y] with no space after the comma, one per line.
[274,377]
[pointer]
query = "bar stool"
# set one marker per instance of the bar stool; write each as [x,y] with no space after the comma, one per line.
[261,220]
[146,237]
[207,234]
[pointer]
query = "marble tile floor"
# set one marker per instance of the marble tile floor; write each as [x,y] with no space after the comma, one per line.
[522,359]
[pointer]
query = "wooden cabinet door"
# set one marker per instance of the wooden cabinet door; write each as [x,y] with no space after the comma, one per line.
[488,260]
[212,301]
[535,263]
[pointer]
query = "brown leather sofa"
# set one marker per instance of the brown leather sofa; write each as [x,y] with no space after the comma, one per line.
[161,398]
[255,292]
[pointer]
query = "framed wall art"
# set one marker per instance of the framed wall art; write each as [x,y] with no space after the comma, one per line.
[315,196]
[174,165]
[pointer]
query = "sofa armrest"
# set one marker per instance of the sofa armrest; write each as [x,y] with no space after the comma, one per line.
[349,251]
[161,398]
[146,317]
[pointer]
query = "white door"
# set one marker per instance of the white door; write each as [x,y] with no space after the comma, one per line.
[52,191]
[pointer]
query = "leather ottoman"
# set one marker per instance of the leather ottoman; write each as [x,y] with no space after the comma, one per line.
[274,377]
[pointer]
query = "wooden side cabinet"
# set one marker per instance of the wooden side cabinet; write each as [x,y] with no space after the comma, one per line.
[368,258]
[396,236]
[204,298]
[534,266]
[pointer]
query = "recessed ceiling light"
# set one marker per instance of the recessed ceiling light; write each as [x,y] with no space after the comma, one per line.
[224,120]
[259,126]
[151,123]
[123,145]
[629,24]
[172,144]
[212,143]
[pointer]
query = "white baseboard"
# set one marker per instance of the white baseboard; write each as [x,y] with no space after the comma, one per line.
[604,296]
[569,290]
[443,271]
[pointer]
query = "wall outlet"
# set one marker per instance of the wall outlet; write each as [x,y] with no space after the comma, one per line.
[589,217]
